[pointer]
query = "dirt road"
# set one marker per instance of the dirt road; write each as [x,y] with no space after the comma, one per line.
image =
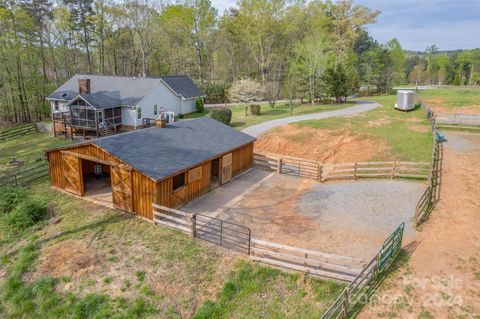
[441,279]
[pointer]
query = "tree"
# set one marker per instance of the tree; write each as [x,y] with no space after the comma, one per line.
[311,58]
[340,82]
[245,91]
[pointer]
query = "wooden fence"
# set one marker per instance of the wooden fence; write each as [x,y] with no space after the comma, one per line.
[307,261]
[25,177]
[359,287]
[238,238]
[350,171]
[427,202]
[214,230]
[17,131]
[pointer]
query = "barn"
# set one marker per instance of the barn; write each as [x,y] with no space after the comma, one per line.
[169,166]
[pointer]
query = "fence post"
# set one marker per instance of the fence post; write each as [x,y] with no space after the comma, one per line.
[345,302]
[355,171]
[193,220]
[320,172]
[279,166]
[394,169]
[221,232]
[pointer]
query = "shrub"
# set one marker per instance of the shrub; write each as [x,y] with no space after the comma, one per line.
[255,109]
[215,93]
[26,214]
[199,105]
[10,197]
[221,114]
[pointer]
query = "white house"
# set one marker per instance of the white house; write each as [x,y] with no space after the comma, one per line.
[93,102]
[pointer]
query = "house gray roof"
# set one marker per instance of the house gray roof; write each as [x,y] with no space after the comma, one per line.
[162,152]
[183,86]
[107,91]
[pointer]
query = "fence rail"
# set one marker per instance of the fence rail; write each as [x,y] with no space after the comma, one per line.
[25,177]
[214,230]
[349,171]
[17,131]
[360,285]
[427,202]
[309,261]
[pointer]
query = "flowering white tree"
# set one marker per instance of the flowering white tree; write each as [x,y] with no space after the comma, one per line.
[245,91]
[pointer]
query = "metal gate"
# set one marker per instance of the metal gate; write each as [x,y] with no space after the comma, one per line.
[391,247]
[223,233]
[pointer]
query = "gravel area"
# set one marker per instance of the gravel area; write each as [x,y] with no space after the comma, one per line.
[350,218]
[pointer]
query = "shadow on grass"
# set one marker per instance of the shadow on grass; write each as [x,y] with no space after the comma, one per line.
[89,227]
[370,290]
[237,124]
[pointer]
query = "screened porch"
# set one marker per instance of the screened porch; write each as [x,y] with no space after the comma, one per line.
[85,116]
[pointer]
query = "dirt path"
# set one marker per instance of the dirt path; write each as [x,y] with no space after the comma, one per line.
[442,277]
[360,107]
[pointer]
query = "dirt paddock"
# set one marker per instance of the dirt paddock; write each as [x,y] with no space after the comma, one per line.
[350,218]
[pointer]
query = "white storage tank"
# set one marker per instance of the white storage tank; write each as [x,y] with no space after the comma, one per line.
[405,100]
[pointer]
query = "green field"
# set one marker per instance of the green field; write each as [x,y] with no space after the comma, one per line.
[98,263]
[408,134]
[28,148]
[452,98]
[281,110]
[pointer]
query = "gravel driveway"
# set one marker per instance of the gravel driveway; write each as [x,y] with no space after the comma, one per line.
[350,218]
[360,107]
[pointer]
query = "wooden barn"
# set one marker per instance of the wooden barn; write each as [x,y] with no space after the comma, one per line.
[168,166]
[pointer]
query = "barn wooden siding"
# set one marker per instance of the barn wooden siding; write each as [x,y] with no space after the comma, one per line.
[145,191]
[242,159]
[55,163]
[167,197]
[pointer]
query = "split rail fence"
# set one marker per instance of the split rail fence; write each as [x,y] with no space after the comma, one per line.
[239,238]
[307,261]
[17,131]
[350,171]
[214,230]
[360,287]
[25,177]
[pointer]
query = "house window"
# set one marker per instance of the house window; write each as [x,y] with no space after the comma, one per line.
[178,181]
[155,109]
[56,106]
[100,117]
[139,113]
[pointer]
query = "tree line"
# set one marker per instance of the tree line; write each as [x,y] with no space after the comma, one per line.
[294,49]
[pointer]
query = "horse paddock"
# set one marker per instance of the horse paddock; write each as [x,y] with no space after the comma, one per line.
[349,218]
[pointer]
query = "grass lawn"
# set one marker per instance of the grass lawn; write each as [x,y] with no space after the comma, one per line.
[27,148]
[98,263]
[452,99]
[281,110]
[408,134]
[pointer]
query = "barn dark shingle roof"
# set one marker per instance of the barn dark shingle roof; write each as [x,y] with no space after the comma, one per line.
[107,91]
[161,152]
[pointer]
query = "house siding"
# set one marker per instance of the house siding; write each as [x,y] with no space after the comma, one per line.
[164,98]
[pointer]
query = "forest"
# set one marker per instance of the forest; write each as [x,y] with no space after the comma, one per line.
[294,49]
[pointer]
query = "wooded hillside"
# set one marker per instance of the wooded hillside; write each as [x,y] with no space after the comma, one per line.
[294,49]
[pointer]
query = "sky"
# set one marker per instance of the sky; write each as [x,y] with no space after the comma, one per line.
[449,24]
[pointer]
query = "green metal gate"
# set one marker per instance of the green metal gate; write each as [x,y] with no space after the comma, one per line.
[391,247]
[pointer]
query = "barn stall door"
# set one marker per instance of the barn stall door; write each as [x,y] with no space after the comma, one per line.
[72,170]
[122,194]
[226,168]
